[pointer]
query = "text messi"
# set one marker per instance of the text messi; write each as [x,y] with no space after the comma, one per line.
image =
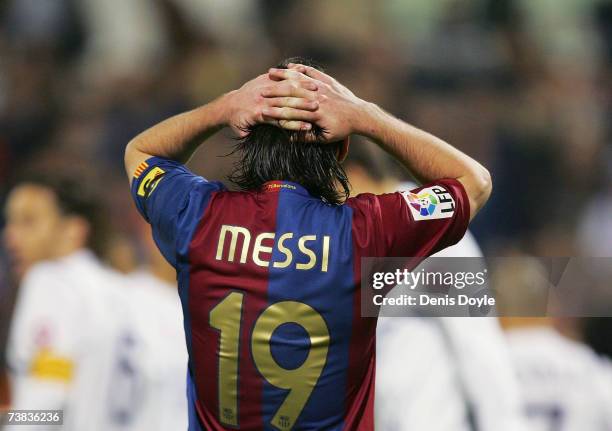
[265,242]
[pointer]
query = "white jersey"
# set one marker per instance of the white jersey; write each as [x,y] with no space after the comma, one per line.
[162,359]
[447,373]
[566,386]
[444,374]
[65,332]
[417,384]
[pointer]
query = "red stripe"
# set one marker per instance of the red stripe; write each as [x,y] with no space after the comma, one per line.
[140,169]
[210,281]
[362,350]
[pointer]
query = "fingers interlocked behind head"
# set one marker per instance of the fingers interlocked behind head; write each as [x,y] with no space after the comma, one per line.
[292,102]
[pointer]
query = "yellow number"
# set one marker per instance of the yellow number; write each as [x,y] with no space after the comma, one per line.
[225,317]
[302,380]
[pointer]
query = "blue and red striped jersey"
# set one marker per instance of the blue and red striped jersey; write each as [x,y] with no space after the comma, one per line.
[269,283]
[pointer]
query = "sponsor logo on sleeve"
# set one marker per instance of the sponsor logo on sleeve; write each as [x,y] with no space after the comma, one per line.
[150,181]
[430,203]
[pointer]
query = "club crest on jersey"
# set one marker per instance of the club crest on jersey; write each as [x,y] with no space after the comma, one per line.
[430,203]
[150,182]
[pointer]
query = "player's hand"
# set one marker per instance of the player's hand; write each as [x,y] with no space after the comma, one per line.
[289,104]
[339,109]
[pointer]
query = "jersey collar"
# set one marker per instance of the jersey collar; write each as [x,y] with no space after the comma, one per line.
[285,187]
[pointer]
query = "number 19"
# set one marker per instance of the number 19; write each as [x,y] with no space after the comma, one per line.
[226,318]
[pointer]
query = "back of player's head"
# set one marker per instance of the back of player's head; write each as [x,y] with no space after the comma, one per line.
[270,153]
[370,169]
[368,157]
[75,196]
[596,333]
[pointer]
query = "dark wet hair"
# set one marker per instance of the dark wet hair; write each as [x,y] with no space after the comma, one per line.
[270,153]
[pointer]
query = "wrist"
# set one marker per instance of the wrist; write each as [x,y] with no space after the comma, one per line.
[224,108]
[367,119]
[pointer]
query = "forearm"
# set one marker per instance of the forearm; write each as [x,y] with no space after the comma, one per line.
[178,137]
[427,157]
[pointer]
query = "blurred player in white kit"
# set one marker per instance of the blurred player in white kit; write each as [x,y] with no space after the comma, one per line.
[565,385]
[107,349]
[64,336]
[158,318]
[438,374]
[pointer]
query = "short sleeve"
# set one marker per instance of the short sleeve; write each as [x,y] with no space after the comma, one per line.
[414,223]
[171,198]
[42,345]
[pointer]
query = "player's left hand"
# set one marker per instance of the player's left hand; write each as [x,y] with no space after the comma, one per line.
[339,113]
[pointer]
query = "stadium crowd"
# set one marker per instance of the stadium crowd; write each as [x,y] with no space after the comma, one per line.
[524,87]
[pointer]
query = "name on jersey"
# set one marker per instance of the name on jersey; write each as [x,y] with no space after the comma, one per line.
[312,250]
[430,203]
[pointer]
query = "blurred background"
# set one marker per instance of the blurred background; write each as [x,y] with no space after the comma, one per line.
[523,86]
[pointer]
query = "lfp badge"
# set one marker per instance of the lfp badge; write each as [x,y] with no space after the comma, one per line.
[424,203]
[430,203]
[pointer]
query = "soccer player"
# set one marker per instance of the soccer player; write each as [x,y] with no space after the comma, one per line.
[566,386]
[269,276]
[162,360]
[68,330]
[423,363]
